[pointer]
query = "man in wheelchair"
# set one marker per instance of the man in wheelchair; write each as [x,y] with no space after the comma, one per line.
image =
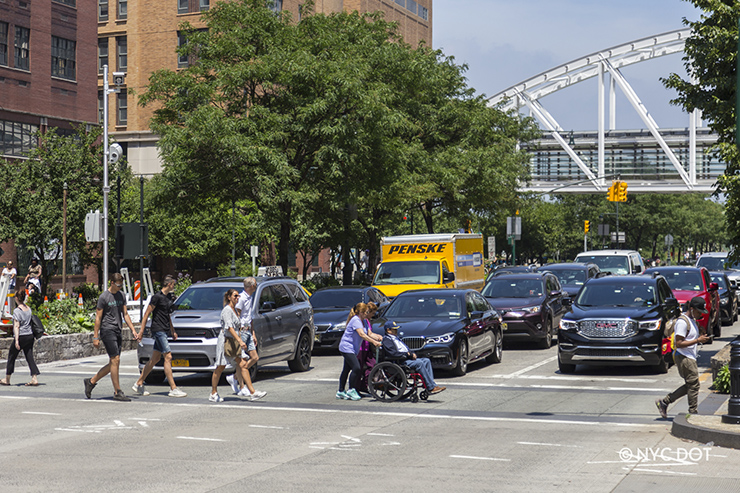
[395,349]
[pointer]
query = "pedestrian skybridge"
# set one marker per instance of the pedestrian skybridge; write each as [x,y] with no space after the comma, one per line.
[652,159]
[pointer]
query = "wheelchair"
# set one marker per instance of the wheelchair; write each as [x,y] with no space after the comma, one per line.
[390,381]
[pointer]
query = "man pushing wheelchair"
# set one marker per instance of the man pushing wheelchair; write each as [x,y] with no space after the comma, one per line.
[395,349]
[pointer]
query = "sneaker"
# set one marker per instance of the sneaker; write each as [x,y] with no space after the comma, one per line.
[258,394]
[662,408]
[215,398]
[244,392]
[89,386]
[177,393]
[231,379]
[353,395]
[120,396]
[342,395]
[140,390]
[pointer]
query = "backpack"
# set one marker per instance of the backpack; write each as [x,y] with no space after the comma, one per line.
[37,327]
[670,325]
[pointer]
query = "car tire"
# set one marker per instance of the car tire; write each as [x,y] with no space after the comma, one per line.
[717,332]
[154,378]
[463,353]
[662,366]
[734,317]
[302,359]
[546,342]
[566,368]
[498,349]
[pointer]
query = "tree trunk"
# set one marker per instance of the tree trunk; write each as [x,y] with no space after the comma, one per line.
[284,242]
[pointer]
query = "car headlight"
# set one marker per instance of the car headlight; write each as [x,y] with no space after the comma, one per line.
[443,339]
[650,325]
[531,309]
[340,326]
[724,301]
[568,325]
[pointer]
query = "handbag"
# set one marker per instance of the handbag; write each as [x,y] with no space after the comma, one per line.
[37,327]
[231,347]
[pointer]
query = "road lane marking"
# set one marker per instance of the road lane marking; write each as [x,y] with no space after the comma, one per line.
[202,439]
[637,469]
[43,414]
[530,368]
[380,434]
[77,429]
[478,458]
[268,427]
[549,444]
[578,379]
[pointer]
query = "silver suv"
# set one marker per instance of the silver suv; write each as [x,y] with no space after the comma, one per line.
[281,313]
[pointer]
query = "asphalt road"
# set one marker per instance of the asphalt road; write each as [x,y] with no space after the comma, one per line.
[516,426]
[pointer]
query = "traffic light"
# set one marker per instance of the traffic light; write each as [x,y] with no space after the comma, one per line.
[586,226]
[622,192]
[612,193]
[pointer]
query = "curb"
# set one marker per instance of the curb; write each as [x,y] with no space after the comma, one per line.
[683,429]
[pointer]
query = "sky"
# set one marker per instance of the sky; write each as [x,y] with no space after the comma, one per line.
[505,42]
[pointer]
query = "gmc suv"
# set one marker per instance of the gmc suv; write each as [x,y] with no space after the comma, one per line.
[617,320]
[282,319]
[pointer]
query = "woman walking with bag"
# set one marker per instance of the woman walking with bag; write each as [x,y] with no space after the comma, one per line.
[23,334]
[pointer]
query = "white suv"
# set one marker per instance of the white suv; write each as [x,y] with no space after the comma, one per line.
[716,261]
[617,262]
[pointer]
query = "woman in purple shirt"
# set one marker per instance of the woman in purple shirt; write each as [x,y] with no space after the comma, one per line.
[349,346]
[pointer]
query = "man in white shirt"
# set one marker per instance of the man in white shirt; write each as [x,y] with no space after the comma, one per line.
[687,340]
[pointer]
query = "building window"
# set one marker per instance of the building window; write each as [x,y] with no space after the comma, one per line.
[22,36]
[62,58]
[423,13]
[411,5]
[101,109]
[17,139]
[122,9]
[183,6]
[102,10]
[277,5]
[122,53]
[4,43]
[402,3]
[122,108]
[182,60]
[102,53]
[205,5]
[71,3]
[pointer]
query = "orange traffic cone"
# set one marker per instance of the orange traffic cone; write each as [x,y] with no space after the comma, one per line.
[80,303]
[46,299]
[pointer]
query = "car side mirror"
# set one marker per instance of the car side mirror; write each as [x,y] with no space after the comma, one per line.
[555,293]
[567,302]
[268,306]
[672,303]
[713,286]
[638,269]
[476,315]
[448,277]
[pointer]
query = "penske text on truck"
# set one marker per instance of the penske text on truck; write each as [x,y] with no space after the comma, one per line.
[450,260]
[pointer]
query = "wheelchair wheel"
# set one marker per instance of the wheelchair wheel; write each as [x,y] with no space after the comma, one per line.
[424,395]
[387,382]
[414,398]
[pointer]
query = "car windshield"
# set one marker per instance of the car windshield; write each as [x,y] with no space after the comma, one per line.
[570,277]
[412,272]
[202,298]
[335,298]
[683,280]
[616,264]
[513,288]
[425,305]
[720,280]
[716,263]
[633,295]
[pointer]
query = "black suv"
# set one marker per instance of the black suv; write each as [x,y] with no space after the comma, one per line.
[617,320]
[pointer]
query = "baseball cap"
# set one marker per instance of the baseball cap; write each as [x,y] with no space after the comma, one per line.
[390,324]
[697,302]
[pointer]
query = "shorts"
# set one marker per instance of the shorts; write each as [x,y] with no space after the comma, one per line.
[247,338]
[160,342]
[112,341]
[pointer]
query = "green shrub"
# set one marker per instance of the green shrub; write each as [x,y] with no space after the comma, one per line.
[90,294]
[722,382]
[64,317]
[183,282]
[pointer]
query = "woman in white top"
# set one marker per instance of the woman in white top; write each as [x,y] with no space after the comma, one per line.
[24,339]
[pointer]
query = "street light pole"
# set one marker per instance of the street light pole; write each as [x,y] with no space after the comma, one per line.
[106,185]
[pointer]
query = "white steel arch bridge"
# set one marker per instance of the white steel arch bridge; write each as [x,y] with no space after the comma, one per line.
[651,160]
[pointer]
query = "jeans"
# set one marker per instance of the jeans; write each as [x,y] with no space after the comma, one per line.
[160,342]
[689,371]
[350,363]
[424,367]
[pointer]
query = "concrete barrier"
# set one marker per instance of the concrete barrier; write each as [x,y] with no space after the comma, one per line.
[719,360]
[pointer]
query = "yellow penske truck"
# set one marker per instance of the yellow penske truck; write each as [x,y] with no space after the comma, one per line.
[447,260]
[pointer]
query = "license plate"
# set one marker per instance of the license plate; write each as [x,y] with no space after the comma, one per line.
[180,362]
[504,326]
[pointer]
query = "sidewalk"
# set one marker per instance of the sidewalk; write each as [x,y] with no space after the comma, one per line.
[707,426]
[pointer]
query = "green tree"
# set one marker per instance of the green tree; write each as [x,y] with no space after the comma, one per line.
[32,196]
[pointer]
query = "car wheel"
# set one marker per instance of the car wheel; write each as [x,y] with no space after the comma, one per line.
[498,349]
[546,342]
[661,367]
[718,328]
[734,318]
[565,368]
[462,359]
[154,378]
[302,359]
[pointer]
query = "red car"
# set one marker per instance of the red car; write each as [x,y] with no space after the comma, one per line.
[687,282]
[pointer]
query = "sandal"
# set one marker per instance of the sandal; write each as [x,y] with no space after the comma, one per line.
[3,382]
[32,384]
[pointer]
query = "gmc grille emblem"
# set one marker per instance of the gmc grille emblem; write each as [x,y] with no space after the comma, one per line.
[606,325]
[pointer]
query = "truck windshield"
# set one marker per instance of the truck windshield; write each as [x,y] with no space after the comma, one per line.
[411,272]
[613,294]
[616,264]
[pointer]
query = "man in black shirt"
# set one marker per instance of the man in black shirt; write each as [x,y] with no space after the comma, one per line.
[160,306]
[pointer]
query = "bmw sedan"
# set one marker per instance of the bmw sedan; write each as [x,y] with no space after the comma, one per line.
[451,327]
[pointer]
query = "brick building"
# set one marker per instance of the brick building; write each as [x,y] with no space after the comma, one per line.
[47,76]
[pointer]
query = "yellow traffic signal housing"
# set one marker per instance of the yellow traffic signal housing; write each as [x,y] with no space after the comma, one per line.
[586,226]
[612,192]
[622,192]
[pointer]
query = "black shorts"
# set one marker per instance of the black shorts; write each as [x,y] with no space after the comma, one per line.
[112,341]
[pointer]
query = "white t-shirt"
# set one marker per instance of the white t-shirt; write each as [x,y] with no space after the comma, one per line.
[688,332]
[10,272]
[244,305]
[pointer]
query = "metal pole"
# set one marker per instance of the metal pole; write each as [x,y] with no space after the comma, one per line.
[733,405]
[617,223]
[64,240]
[233,238]
[106,186]
[141,249]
